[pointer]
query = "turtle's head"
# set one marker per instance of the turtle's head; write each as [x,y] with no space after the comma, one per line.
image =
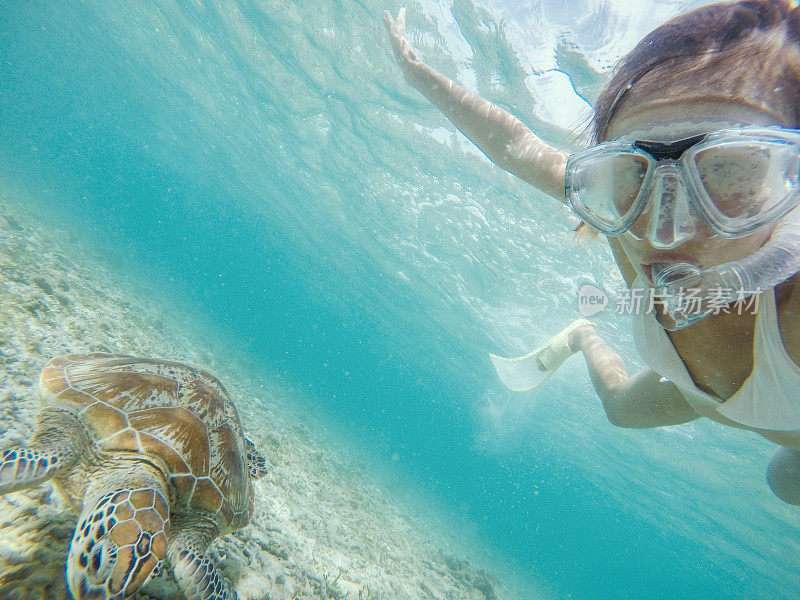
[118,542]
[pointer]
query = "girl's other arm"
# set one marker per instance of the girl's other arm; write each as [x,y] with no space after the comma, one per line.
[639,401]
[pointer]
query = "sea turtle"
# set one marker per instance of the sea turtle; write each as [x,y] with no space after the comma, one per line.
[151,455]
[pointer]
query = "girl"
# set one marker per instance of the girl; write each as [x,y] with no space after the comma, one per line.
[694,177]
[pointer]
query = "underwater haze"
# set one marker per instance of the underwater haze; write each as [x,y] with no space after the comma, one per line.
[265,162]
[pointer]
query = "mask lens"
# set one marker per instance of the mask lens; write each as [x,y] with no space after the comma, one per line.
[607,187]
[747,183]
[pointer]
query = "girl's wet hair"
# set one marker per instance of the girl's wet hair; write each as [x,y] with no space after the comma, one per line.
[711,30]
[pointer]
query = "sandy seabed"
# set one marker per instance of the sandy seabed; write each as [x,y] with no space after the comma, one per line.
[323,527]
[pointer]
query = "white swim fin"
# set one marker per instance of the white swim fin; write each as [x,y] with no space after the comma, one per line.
[527,372]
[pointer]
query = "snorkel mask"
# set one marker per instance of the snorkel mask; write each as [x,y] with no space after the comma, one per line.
[736,181]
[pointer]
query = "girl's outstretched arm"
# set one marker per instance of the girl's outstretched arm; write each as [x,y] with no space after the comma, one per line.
[502,137]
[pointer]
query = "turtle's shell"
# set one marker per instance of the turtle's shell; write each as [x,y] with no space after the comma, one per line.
[170,411]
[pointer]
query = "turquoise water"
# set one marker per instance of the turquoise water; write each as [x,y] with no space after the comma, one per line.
[266,162]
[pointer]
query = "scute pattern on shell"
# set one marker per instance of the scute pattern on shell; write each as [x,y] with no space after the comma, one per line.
[178,413]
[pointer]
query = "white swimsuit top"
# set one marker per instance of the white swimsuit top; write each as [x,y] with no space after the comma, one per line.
[768,399]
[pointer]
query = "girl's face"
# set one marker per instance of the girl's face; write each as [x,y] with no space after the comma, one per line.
[677,120]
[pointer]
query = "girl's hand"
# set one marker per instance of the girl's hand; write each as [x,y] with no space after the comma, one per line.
[404,52]
[579,335]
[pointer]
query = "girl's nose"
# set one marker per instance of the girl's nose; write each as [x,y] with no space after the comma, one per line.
[668,220]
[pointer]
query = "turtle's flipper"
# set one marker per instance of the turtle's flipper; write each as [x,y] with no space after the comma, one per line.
[194,570]
[53,448]
[22,467]
[256,462]
[118,542]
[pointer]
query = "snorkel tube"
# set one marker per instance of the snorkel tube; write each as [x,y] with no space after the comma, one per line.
[688,294]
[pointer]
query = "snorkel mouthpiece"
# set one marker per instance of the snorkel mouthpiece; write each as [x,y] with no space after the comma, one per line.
[688,293]
[675,287]
[685,292]
[665,274]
